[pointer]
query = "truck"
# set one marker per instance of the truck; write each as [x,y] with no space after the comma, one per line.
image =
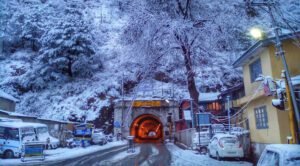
[13,134]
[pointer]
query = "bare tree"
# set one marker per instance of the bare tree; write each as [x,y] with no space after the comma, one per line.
[185,45]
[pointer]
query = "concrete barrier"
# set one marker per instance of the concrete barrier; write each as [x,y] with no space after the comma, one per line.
[186,136]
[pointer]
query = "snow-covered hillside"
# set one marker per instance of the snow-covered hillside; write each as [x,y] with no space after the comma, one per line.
[71,57]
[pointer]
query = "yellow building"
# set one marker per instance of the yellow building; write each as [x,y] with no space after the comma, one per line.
[267,125]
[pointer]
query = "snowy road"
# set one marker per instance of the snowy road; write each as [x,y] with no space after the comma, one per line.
[92,159]
[150,155]
[145,155]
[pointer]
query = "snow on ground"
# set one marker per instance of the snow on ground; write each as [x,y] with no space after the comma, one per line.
[65,153]
[120,156]
[182,157]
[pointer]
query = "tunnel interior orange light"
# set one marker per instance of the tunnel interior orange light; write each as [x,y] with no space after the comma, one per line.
[147,128]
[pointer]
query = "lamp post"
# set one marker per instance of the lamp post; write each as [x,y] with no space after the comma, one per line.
[228,112]
[192,112]
[280,53]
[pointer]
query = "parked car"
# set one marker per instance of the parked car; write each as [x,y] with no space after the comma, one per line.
[280,155]
[43,135]
[225,145]
[98,137]
[204,140]
[13,135]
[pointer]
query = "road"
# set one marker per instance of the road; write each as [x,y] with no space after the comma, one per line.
[150,155]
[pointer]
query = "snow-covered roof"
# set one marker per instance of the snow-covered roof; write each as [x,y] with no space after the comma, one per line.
[14,113]
[36,124]
[221,135]
[7,96]
[145,99]
[10,120]
[254,50]
[208,96]
[15,124]
[22,115]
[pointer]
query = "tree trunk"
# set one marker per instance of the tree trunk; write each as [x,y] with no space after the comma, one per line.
[194,94]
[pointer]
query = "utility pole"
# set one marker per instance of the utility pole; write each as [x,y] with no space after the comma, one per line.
[280,53]
[192,112]
[291,113]
[228,111]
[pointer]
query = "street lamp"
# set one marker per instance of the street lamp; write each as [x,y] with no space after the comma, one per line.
[256,33]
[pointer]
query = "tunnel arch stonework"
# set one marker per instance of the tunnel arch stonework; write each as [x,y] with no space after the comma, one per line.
[124,116]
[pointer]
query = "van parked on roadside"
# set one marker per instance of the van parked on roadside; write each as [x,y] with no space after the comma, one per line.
[12,136]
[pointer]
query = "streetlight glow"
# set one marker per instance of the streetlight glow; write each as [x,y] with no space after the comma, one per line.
[256,33]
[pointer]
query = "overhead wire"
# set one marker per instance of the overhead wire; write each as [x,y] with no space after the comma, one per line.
[245,106]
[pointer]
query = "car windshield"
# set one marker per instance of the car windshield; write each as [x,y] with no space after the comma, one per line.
[229,140]
[28,134]
[42,130]
[270,158]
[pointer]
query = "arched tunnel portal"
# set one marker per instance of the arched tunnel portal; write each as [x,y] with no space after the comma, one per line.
[147,128]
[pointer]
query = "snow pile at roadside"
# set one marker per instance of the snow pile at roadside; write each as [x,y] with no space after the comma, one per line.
[65,153]
[190,158]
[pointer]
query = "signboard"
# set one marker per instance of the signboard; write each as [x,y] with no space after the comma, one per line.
[33,150]
[203,118]
[147,103]
[83,129]
[187,114]
[117,124]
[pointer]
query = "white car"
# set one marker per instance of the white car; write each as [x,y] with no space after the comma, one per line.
[280,155]
[225,145]
[98,137]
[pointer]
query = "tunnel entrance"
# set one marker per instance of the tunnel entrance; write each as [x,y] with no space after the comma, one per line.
[147,128]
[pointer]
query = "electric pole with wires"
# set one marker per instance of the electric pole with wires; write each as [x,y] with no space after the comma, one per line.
[269,7]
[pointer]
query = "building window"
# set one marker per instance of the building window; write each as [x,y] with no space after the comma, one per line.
[214,106]
[255,70]
[261,117]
